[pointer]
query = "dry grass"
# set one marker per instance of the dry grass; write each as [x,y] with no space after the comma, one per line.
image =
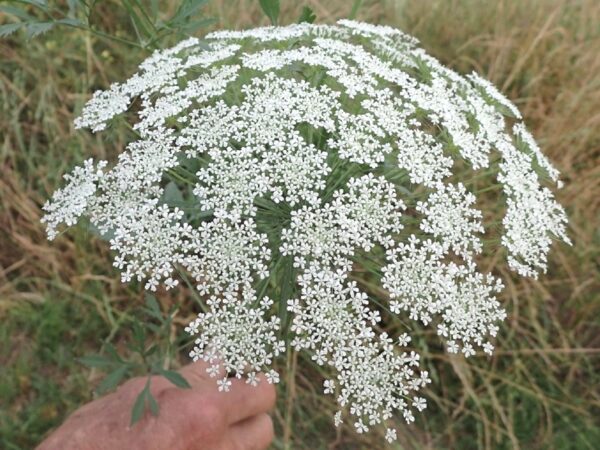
[540,390]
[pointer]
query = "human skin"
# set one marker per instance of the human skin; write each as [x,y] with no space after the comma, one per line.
[200,418]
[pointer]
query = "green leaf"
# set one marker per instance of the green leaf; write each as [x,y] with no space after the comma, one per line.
[112,380]
[154,328]
[9,28]
[12,11]
[172,195]
[187,9]
[96,232]
[175,377]
[194,25]
[271,9]
[505,110]
[70,21]
[112,351]
[307,15]
[153,306]
[154,408]
[73,7]
[37,28]
[139,405]
[138,333]
[98,361]
[42,4]
[139,21]
[404,190]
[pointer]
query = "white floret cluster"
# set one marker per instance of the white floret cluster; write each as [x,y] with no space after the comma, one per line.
[423,285]
[234,335]
[449,216]
[304,156]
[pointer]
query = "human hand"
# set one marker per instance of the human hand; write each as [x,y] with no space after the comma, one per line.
[200,418]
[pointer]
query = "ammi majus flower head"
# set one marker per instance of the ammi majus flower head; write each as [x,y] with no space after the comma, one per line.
[288,170]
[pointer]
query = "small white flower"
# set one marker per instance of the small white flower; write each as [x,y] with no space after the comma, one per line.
[488,348]
[272,377]
[329,387]
[452,347]
[213,370]
[252,379]
[360,427]
[224,384]
[203,289]
[337,419]
[390,435]
[404,339]
[419,403]
[192,328]
[413,359]
[468,350]
[425,378]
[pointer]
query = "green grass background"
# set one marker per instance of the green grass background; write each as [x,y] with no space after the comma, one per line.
[62,300]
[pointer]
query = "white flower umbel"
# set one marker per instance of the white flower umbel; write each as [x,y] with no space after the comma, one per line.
[334,322]
[288,165]
[448,216]
[70,202]
[365,215]
[223,256]
[236,334]
[423,284]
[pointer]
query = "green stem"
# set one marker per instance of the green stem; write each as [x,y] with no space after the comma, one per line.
[106,35]
[176,175]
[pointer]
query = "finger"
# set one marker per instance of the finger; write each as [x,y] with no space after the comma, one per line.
[244,400]
[197,373]
[255,433]
[240,402]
